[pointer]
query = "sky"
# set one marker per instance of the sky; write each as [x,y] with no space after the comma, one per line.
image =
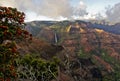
[67,9]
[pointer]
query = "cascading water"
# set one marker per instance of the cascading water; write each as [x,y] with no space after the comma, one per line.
[56,39]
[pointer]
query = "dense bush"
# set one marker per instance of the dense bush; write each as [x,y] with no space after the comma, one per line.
[36,69]
[11,29]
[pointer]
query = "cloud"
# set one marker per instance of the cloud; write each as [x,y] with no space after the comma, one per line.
[50,8]
[113,13]
[55,8]
[11,3]
[22,5]
[80,9]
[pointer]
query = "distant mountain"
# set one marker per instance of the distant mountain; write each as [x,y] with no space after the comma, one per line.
[109,28]
[35,26]
[91,44]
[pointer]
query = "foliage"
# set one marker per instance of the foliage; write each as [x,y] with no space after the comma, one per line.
[82,54]
[11,22]
[36,69]
[7,55]
[11,29]
[115,76]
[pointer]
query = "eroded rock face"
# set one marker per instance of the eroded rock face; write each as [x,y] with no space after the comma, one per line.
[47,34]
[39,47]
[82,35]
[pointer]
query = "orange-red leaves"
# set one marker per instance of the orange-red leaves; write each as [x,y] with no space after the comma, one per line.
[4,27]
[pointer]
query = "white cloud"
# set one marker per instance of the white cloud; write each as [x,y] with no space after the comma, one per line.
[11,3]
[55,8]
[80,9]
[61,10]
[113,13]
[51,9]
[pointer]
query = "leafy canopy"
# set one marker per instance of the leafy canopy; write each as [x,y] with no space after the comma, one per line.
[11,28]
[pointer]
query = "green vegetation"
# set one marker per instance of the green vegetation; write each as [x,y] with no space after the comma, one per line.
[32,67]
[115,76]
[81,53]
[13,66]
[11,29]
[36,69]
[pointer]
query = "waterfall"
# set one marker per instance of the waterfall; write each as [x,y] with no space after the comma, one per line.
[56,39]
